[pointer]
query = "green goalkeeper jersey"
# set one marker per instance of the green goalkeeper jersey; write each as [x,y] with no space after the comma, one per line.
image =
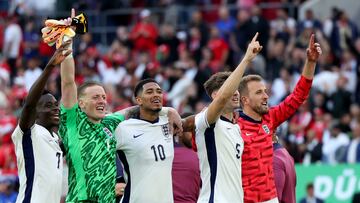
[90,154]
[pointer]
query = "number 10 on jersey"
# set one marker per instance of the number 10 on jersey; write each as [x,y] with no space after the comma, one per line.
[159,152]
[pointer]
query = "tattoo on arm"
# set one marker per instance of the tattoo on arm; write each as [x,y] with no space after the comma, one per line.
[189,124]
[132,112]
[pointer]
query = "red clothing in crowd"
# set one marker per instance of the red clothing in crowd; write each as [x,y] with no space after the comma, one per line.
[7,126]
[218,48]
[8,163]
[269,13]
[7,148]
[45,50]
[144,37]
[257,163]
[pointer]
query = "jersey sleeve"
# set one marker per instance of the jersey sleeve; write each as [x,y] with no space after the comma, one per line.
[288,107]
[201,121]
[17,135]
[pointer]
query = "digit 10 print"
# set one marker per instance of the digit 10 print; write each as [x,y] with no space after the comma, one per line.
[159,152]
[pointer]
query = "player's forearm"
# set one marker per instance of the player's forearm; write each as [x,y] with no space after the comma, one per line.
[38,86]
[232,83]
[67,71]
[189,123]
[68,85]
[130,112]
[226,91]
[309,69]
[292,102]
[27,118]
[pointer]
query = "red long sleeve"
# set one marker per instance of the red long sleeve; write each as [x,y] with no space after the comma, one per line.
[288,107]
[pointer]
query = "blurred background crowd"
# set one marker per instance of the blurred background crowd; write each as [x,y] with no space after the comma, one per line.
[181,43]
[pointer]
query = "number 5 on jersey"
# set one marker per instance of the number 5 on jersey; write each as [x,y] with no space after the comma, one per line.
[238,151]
[158,152]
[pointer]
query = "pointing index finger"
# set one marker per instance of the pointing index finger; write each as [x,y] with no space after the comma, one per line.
[72,13]
[312,40]
[255,37]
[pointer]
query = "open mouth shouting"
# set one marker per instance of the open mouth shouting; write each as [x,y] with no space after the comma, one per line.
[156,101]
[100,109]
[264,104]
[55,116]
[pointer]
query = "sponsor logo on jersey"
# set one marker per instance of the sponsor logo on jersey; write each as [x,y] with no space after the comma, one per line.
[137,135]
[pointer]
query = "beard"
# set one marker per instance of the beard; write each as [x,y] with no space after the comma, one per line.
[260,110]
[153,109]
[157,110]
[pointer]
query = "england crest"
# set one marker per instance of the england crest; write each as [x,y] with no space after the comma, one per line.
[107,132]
[266,129]
[165,130]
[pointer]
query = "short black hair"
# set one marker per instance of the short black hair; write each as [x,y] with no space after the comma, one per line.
[81,89]
[139,86]
[309,185]
[44,93]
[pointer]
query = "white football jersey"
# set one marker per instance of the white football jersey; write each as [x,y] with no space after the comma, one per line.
[40,165]
[220,147]
[146,151]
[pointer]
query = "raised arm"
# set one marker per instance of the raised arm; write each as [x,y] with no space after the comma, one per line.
[313,53]
[288,107]
[67,73]
[28,115]
[232,83]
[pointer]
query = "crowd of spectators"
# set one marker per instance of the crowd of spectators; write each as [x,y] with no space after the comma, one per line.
[326,128]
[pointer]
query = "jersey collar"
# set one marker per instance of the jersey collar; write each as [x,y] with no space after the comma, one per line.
[246,117]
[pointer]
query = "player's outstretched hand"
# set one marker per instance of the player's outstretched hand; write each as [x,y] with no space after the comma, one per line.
[58,31]
[314,50]
[60,54]
[253,49]
[68,21]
